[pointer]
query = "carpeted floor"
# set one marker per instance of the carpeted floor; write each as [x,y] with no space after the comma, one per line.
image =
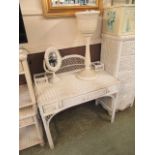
[86,130]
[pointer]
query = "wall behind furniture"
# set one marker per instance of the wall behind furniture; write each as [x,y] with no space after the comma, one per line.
[43,32]
[59,32]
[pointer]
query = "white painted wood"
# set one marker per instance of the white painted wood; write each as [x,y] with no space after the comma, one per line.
[24,97]
[112,100]
[39,130]
[118,57]
[71,91]
[46,127]
[114,104]
[21,68]
[26,112]
[26,122]
[28,137]
[29,133]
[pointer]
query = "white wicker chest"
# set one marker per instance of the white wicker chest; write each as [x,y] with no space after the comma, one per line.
[118,50]
[118,57]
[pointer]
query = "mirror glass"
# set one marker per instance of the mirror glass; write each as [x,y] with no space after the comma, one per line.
[58,3]
[53,59]
[59,8]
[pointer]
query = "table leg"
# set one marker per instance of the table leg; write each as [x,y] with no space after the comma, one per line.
[114,101]
[47,129]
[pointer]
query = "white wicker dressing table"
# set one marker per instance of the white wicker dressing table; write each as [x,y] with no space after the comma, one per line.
[71,91]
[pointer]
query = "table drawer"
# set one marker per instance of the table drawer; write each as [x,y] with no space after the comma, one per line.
[84,98]
[97,94]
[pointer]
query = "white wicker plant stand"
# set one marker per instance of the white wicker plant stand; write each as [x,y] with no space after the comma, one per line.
[70,91]
[30,132]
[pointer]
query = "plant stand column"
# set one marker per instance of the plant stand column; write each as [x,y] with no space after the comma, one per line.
[87,73]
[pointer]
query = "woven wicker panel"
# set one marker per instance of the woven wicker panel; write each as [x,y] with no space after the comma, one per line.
[71,63]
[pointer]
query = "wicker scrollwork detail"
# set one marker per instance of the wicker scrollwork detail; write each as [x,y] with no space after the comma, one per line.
[71,63]
[48,117]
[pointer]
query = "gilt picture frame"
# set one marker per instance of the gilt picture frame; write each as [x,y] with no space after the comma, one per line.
[50,10]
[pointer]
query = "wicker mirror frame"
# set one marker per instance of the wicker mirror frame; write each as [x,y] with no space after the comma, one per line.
[46,58]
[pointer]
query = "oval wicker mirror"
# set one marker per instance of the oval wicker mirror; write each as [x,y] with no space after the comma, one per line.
[52,59]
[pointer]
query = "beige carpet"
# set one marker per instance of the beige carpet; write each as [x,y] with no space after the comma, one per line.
[86,130]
